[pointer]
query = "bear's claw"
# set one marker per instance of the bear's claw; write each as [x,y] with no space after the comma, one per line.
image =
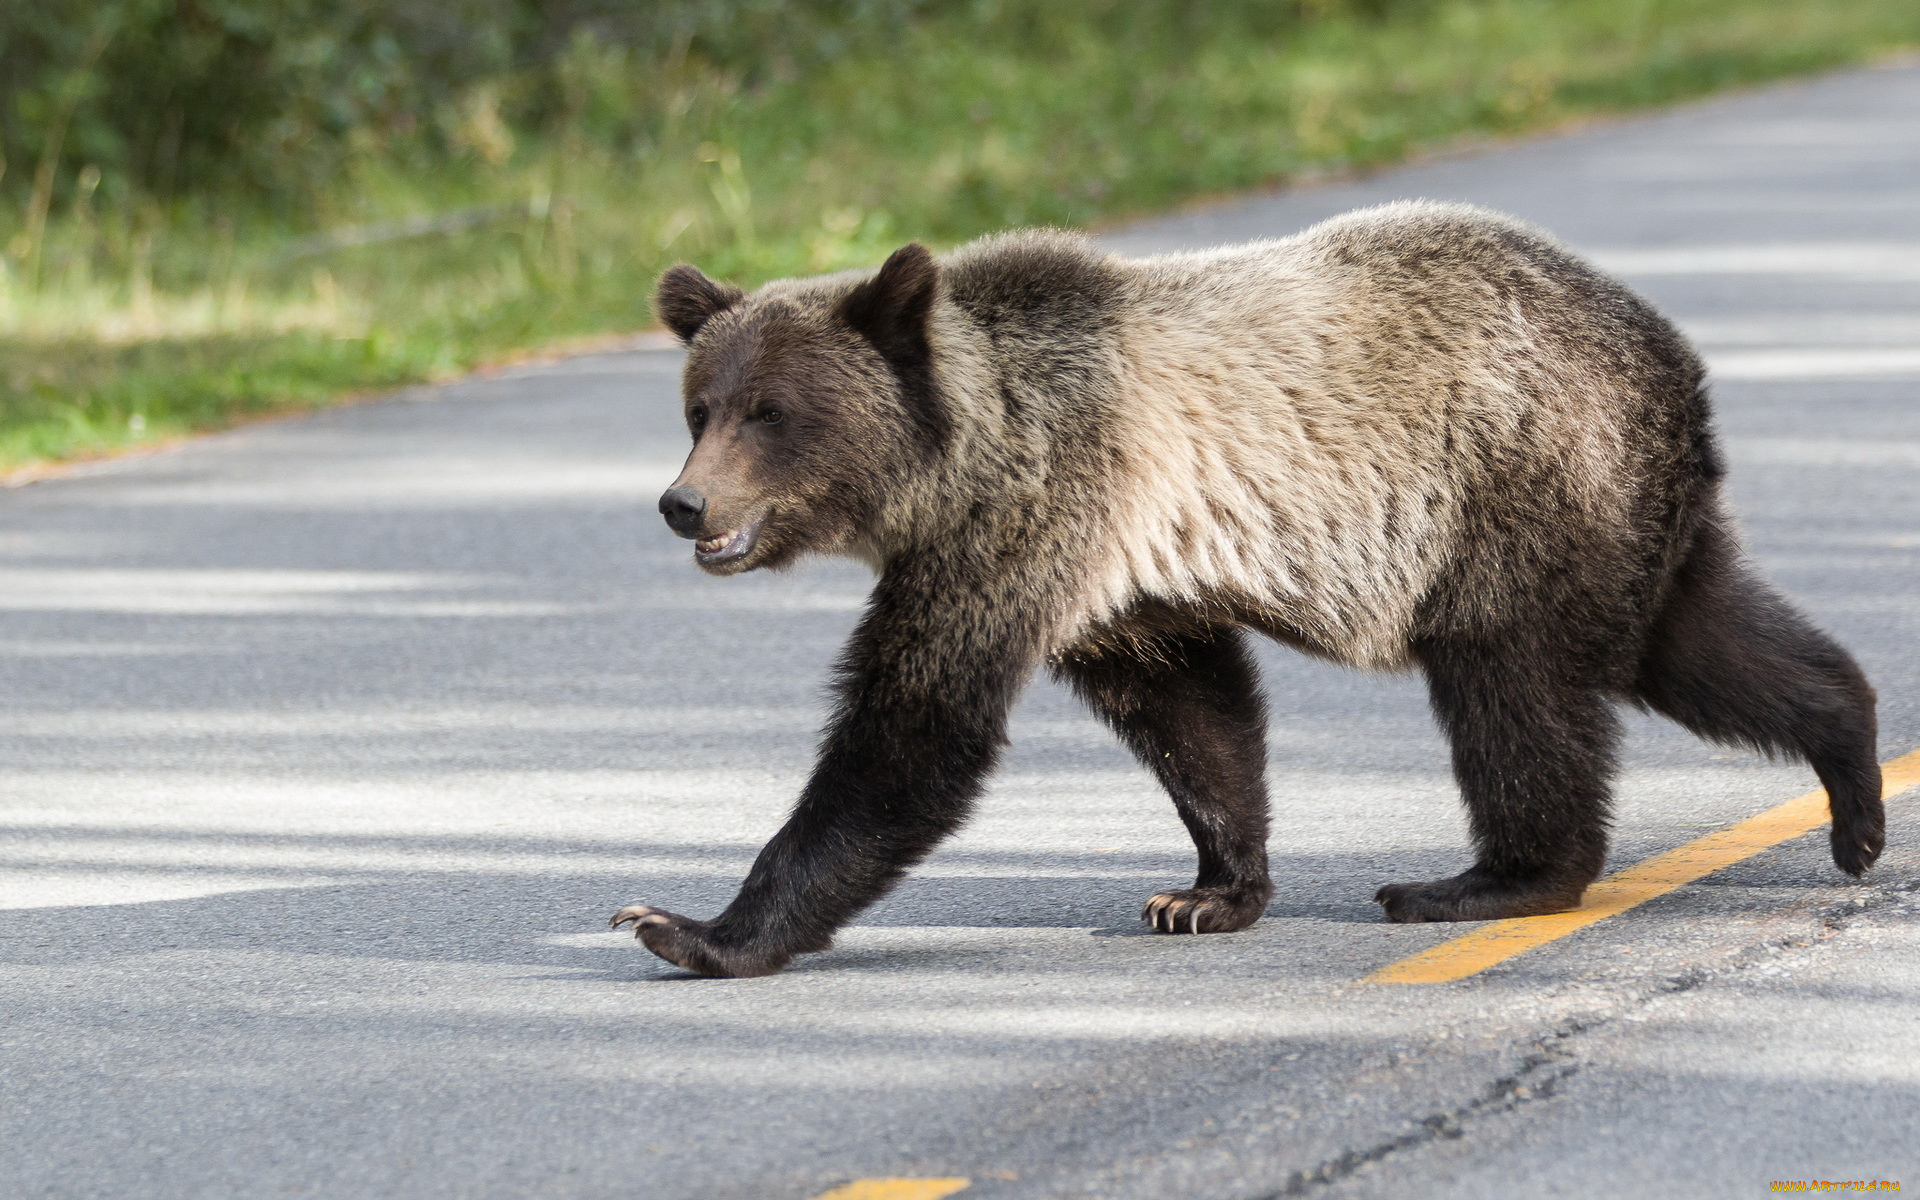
[687,944]
[1203,910]
[680,940]
[1856,849]
[635,914]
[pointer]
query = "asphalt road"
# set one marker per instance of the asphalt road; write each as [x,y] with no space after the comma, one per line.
[329,744]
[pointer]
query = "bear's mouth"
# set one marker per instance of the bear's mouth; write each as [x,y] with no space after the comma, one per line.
[728,547]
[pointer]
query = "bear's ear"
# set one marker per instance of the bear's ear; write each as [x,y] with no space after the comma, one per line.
[892,308]
[685,300]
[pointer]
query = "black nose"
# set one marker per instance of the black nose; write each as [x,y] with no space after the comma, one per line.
[684,508]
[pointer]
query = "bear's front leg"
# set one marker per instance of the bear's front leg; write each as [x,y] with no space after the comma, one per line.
[1184,698]
[925,686]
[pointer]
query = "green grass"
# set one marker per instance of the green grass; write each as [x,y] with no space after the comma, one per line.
[145,320]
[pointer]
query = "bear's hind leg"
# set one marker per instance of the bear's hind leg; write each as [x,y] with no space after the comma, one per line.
[1533,751]
[1736,664]
[1187,703]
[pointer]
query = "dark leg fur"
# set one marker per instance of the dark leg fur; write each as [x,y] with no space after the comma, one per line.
[890,784]
[1188,705]
[1735,663]
[1532,750]
[920,724]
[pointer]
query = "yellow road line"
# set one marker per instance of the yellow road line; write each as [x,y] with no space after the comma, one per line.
[895,1189]
[1495,943]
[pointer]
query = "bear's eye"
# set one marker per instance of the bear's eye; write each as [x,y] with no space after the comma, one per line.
[697,417]
[772,416]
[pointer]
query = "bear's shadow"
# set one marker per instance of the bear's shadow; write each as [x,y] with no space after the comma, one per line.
[558,921]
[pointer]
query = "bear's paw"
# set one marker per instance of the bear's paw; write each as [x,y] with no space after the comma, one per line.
[1477,895]
[688,944]
[1206,909]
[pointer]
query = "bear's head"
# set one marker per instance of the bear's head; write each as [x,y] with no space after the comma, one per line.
[807,400]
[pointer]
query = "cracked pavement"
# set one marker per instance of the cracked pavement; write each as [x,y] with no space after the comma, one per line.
[330,743]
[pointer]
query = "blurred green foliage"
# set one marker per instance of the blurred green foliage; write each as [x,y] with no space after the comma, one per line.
[219,206]
[271,98]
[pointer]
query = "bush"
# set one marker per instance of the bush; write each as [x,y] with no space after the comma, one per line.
[216,206]
[269,98]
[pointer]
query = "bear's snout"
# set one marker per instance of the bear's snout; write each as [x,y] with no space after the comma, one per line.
[684,508]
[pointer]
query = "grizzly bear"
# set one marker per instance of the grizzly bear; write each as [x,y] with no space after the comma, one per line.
[1419,435]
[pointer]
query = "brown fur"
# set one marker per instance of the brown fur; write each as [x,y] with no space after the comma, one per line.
[1416,435]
